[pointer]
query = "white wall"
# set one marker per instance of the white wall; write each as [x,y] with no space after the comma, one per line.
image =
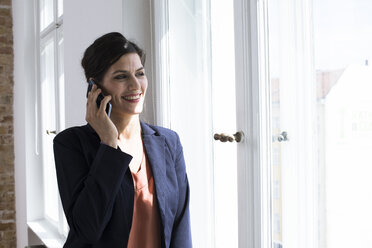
[24,80]
[137,26]
[83,22]
[19,130]
[82,25]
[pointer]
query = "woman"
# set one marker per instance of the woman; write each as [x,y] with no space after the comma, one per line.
[122,182]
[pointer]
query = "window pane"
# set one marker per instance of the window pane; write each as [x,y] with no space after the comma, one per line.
[320,77]
[61,79]
[189,100]
[60,8]
[343,49]
[224,121]
[294,154]
[61,110]
[46,13]
[48,115]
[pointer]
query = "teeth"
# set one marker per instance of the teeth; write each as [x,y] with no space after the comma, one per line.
[132,97]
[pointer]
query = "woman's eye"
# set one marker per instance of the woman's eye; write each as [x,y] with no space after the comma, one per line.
[140,74]
[121,77]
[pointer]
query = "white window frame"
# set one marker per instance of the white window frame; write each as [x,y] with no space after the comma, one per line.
[161,73]
[254,178]
[52,234]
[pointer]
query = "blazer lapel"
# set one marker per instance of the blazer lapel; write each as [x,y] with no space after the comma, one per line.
[155,151]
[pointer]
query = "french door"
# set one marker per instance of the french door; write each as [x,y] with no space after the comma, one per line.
[293,78]
[200,97]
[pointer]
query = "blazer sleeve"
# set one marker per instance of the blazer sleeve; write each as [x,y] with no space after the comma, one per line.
[88,191]
[181,233]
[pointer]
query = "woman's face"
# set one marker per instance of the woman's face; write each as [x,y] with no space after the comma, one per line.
[126,82]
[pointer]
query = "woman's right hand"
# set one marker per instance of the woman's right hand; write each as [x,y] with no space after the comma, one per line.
[99,120]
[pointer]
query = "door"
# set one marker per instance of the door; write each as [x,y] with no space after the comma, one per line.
[319,76]
[197,87]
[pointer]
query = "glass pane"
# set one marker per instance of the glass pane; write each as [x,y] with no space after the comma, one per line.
[61,79]
[46,8]
[343,42]
[320,81]
[61,117]
[224,121]
[190,107]
[48,115]
[60,8]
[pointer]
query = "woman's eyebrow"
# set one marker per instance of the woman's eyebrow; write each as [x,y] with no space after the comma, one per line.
[124,71]
[120,71]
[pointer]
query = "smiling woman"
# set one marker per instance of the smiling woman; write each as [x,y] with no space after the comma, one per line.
[126,82]
[122,182]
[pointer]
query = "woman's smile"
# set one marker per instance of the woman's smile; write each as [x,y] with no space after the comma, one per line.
[133,98]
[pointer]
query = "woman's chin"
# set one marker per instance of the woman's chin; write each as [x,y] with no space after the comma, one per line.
[121,112]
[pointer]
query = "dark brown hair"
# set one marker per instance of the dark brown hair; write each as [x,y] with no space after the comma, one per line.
[104,52]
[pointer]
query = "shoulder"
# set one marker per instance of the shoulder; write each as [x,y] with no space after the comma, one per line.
[73,135]
[162,131]
[171,137]
[169,134]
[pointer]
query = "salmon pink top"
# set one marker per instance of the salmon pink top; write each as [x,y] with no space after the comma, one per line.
[145,231]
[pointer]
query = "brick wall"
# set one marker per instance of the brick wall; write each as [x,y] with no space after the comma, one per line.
[7,194]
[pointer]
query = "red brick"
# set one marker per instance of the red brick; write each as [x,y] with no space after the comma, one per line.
[5,109]
[6,139]
[6,118]
[5,2]
[10,130]
[5,89]
[5,12]
[3,130]
[6,59]
[7,226]
[7,194]
[6,99]
[7,215]
[6,50]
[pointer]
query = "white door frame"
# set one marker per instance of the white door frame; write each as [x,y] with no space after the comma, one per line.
[161,74]
[253,118]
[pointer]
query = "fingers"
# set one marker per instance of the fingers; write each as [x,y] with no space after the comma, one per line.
[92,108]
[104,102]
[93,94]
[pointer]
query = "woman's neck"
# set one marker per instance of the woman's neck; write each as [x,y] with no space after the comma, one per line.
[128,126]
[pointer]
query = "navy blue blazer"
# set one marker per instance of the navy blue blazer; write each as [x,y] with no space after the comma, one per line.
[97,191]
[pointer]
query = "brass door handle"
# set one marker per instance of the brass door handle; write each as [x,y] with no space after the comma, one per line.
[51,132]
[224,137]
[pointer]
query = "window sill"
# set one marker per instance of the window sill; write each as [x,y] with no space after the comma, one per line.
[47,233]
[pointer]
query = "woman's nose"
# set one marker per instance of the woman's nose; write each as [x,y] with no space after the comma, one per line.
[134,83]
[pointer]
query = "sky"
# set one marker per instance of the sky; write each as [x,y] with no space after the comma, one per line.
[342,33]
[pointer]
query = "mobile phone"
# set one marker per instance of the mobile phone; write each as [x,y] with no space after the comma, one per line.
[99,98]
